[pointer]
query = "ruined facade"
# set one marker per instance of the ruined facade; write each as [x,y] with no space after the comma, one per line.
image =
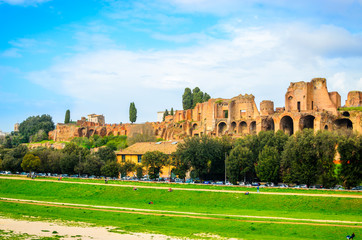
[307,105]
[83,128]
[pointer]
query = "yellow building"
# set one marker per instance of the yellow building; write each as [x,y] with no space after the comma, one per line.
[134,153]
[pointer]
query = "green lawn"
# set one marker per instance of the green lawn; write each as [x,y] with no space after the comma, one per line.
[332,208]
[203,186]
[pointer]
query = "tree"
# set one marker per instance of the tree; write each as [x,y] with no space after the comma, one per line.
[206,97]
[30,163]
[300,158]
[240,165]
[267,168]
[54,158]
[205,155]
[110,169]
[197,96]
[325,144]
[127,167]
[171,112]
[67,117]
[132,112]
[181,167]
[350,150]
[187,99]
[39,136]
[106,154]
[139,171]
[165,114]
[93,165]
[154,161]
[33,124]
[68,163]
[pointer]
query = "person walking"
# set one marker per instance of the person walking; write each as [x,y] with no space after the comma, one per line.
[257,188]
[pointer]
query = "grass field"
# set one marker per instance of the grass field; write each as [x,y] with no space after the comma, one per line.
[192,213]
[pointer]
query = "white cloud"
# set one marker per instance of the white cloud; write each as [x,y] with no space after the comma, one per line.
[24,2]
[12,52]
[260,61]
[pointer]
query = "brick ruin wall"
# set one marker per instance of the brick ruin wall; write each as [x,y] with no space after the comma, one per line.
[307,105]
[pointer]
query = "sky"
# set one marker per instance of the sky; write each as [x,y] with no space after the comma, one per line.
[98,56]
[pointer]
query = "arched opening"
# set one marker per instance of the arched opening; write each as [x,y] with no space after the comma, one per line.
[194,126]
[253,127]
[326,127]
[243,128]
[82,132]
[346,114]
[233,127]
[343,124]
[306,122]
[267,124]
[103,132]
[91,132]
[286,125]
[221,128]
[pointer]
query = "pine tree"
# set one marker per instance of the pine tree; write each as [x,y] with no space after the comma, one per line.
[132,113]
[67,116]
[206,97]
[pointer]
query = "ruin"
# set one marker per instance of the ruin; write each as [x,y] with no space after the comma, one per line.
[307,105]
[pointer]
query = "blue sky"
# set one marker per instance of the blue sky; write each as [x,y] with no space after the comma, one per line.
[93,56]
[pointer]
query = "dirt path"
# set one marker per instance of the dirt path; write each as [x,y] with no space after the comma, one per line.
[192,189]
[294,221]
[50,229]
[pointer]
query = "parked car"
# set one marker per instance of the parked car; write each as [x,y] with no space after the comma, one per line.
[357,188]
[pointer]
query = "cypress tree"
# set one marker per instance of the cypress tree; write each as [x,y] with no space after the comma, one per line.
[132,113]
[171,113]
[165,114]
[67,116]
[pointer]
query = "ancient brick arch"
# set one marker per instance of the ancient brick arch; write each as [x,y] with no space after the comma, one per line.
[243,128]
[233,127]
[194,126]
[286,125]
[82,132]
[306,122]
[267,124]
[221,128]
[343,123]
[103,132]
[91,132]
[252,127]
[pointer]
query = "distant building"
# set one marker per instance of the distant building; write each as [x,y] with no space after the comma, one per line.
[160,116]
[96,118]
[16,127]
[135,152]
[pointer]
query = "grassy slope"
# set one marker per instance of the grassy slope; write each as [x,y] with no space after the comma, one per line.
[187,201]
[181,227]
[194,201]
[203,186]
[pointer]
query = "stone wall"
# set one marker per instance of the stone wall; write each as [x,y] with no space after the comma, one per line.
[307,105]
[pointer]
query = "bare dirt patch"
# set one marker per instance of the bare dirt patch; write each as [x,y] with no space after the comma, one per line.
[51,229]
